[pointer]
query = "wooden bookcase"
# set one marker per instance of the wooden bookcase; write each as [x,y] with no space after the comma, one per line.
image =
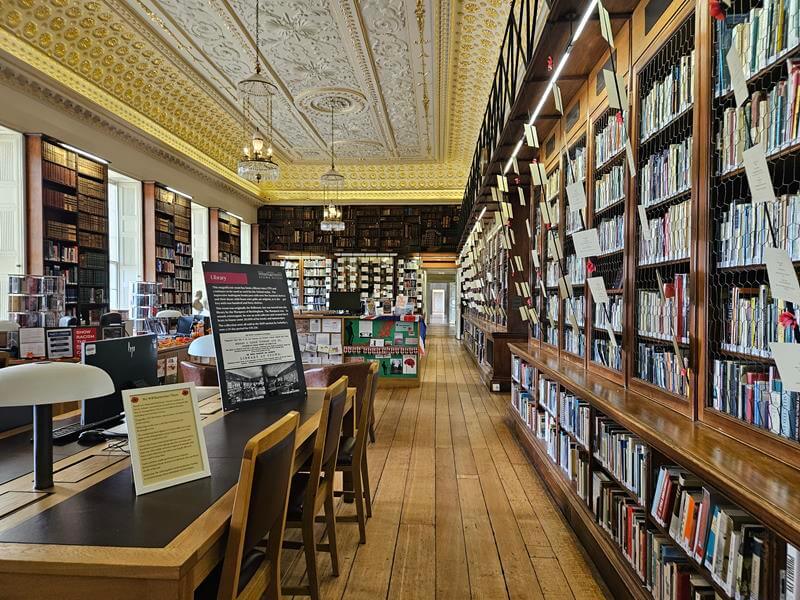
[168,244]
[229,238]
[67,215]
[400,229]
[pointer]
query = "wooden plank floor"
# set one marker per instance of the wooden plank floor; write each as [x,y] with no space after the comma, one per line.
[458,511]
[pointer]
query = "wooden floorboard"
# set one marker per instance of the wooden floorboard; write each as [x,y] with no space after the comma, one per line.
[458,510]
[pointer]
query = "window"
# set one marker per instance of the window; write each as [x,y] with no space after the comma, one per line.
[245,243]
[125,262]
[199,247]
[12,211]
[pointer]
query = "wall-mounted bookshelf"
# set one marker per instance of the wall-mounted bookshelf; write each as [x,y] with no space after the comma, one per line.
[410,279]
[573,307]
[73,221]
[662,353]
[371,275]
[317,282]
[230,238]
[293,277]
[404,230]
[172,263]
[552,251]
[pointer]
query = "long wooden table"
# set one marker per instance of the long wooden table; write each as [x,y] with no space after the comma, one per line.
[92,537]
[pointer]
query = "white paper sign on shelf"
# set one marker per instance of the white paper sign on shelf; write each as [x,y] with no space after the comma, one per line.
[615,84]
[545,212]
[631,162]
[521,193]
[787,359]
[587,243]
[612,338]
[576,196]
[519,290]
[531,137]
[523,313]
[495,194]
[518,261]
[572,319]
[644,223]
[535,258]
[502,183]
[557,99]
[605,24]
[543,288]
[758,177]
[528,227]
[738,79]
[538,174]
[526,288]
[597,286]
[783,282]
[534,316]
[563,287]
[498,218]
[515,164]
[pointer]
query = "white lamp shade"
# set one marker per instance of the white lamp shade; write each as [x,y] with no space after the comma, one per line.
[6,326]
[169,314]
[51,383]
[203,347]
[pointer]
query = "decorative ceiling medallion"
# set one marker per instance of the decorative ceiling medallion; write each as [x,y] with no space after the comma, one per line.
[318,101]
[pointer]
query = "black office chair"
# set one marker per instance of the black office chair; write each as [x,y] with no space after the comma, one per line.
[185,325]
[110,318]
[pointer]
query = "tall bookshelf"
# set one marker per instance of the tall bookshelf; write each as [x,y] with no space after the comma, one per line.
[608,193]
[230,238]
[662,352]
[72,218]
[317,282]
[371,275]
[410,279]
[573,307]
[172,263]
[551,251]
[293,279]
[743,317]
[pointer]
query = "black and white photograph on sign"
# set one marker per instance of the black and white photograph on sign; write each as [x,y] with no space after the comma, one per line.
[255,337]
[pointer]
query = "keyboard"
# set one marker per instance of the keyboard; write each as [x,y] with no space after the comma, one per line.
[70,433]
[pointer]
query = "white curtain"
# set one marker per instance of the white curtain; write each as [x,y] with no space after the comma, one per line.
[245,243]
[199,247]
[12,211]
[126,260]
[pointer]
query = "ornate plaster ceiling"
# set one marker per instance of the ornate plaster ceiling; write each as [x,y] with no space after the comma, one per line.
[414,74]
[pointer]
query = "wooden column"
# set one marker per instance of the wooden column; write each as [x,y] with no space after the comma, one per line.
[213,234]
[34,212]
[254,244]
[149,229]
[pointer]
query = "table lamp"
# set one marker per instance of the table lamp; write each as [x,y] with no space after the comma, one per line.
[42,385]
[203,347]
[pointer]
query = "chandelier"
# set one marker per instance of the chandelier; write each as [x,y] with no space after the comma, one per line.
[332,182]
[256,93]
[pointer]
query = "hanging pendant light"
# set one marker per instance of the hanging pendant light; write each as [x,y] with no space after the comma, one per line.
[256,93]
[332,182]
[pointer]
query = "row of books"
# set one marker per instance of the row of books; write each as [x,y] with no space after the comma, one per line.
[665,315]
[574,417]
[574,465]
[609,140]
[660,366]
[669,236]
[670,575]
[726,540]
[547,431]
[755,395]
[611,232]
[552,187]
[576,269]
[751,321]
[548,395]
[609,313]
[553,300]
[522,372]
[576,166]
[744,231]
[761,37]
[606,353]
[574,221]
[669,97]
[551,336]
[609,188]
[773,118]
[575,341]
[666,173]
[623,454]
[578,308]
[57,251]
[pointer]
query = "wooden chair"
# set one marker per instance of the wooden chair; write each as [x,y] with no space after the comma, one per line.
[202,375]
[251,568]
[352,459]
[313,490]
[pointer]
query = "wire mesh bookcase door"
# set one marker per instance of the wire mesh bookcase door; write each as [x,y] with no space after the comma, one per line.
[608,216]
[744,318]
[574,305]
[664,96]
[535,265]
[551,253]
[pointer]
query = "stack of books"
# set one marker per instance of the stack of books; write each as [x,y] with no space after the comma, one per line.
[574,341]
[576,270]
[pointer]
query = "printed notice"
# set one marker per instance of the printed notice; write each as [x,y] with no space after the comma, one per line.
[757,171]
[738,80]
[165,436]
[331,325]
[615,84]
[521,196]
[782,276]
[587,243]
[787,359]
[597,285]
[559,103]
[631,162]
[605,24]
[531,138]
[644,223]
[576,196]
[612,338]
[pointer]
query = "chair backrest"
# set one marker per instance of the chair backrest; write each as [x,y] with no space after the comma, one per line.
[356,378]
[364,412]
[326,444]
[259,509]
[110,318]
[202,375]
[185,324]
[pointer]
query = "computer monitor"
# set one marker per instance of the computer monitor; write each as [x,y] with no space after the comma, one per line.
[185,325]
[349,302]
[131,362]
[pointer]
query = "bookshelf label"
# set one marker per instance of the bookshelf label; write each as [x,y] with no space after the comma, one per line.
[644,223]
[587,243]
[782,277]
[617,96]
[738,79]
[787,358]
[597,285]
[757,171]
[576,196]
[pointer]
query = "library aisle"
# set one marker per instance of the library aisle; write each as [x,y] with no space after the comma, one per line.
[459,511]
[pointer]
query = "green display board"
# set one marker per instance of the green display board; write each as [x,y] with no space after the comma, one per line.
[393,343]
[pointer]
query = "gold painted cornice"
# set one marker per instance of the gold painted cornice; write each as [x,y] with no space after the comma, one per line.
[421,196]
